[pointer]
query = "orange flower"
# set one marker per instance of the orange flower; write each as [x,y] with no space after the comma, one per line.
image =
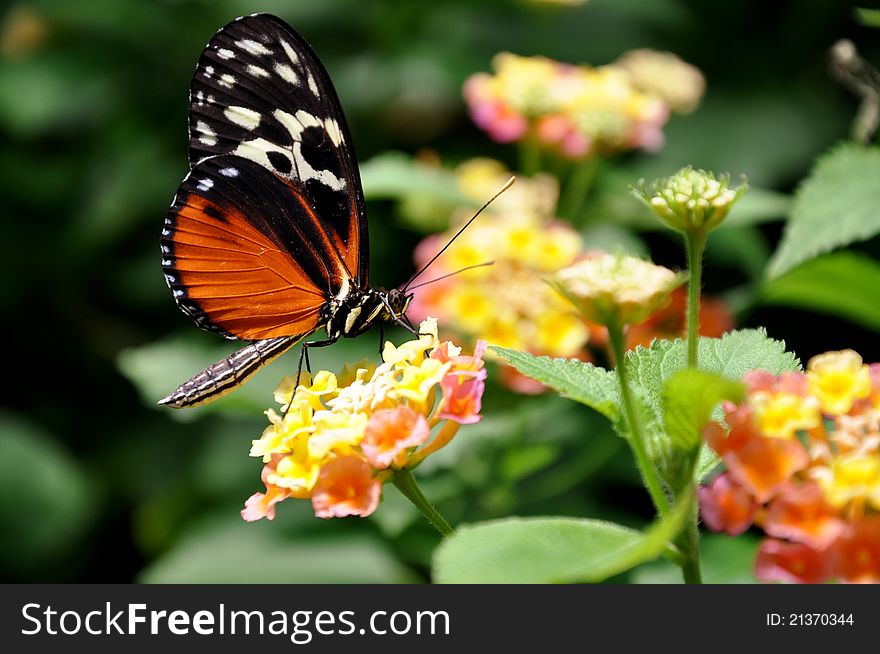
[807,445]
[390,432]
[763,465]
[670,321]
[857,552]
[345,487]
[727,506]
[801,514]
[791,562]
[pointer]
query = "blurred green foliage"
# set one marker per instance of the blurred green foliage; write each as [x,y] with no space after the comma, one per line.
[97,485]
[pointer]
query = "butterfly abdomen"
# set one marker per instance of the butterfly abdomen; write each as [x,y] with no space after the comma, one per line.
[228,373]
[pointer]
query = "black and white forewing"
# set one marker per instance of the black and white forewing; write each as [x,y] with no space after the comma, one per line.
[260,92]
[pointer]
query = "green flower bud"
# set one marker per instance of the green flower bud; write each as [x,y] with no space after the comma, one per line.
[690,199]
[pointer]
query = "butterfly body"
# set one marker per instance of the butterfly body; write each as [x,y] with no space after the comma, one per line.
[266,239]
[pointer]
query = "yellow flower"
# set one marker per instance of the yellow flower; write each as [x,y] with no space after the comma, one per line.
[413,352]
[611,289]
[664,75]
[782,415]
[297,472]
[851,477]
[336,432]
[415,382]
[838,379]
[320,449]
[281,435]
[559,333]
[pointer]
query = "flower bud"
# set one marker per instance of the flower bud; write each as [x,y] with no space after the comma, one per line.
[690,199]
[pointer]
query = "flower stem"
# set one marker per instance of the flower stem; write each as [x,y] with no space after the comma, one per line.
[636,437]
[407,485]
[689,543]
[577,188]
[695,242]
[529,156]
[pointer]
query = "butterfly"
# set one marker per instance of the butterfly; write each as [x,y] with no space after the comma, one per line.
[266,239]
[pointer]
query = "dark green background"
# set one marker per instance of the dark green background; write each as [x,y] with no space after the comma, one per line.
[98,485]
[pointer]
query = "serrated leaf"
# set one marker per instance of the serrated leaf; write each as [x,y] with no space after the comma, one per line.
[571,378]
[838,204]
[817,285]
[730,356]
[689,397]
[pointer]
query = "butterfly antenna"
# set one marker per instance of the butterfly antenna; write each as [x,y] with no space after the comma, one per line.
[460,270]
[506,186]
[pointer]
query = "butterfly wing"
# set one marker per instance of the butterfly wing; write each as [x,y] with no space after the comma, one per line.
[244,252]
[259,92]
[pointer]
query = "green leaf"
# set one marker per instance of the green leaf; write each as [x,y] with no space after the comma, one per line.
[689,397]
[579,381]
[842,284]
[258,553]
[838,204]
[549,550]
[867,17]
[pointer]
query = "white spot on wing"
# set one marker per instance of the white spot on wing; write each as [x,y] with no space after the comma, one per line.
[243,117]
[287,73]
[209,70]
[313,86]
[333,131]
[229,172]
[226,80]
[225,53]
[256,71]
[291,53]
[205,184]
[200,98]
[253,47]
[208,137]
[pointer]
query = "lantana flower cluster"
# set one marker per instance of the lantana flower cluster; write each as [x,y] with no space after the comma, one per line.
[802,461]
[508,303]
[581,111]
[337,438]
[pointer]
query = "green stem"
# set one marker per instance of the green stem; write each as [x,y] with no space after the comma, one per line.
[689,543]
[636,437]
[577,188]
[695,242]
[529,156]
[407,485]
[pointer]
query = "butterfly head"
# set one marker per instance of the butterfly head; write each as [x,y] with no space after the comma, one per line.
[398,301]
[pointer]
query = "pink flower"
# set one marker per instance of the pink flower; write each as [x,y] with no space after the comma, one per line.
[391,432]
[463,385]
[727,506]
[791,562]
[346,487]
[262,505]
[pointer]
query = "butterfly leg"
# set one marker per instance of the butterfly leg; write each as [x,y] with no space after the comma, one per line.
[304,356]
